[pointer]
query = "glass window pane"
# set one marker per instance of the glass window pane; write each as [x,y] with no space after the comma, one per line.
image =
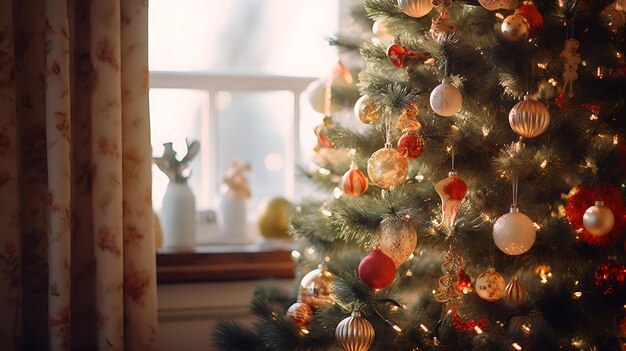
[254,127]
[176,115]
[275,36]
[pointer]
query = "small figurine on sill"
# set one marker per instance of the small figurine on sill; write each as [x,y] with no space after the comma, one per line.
[178,212]
[234,194]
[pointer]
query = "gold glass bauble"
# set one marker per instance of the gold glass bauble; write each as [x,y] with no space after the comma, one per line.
[529,118]
[387,168]
[314,287]
[273,218]
[355,333]
[397,239]
[365,110]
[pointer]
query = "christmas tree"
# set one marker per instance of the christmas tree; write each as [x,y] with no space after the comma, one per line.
[484,205]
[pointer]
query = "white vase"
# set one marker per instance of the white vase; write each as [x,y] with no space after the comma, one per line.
[178,217]
[231,219]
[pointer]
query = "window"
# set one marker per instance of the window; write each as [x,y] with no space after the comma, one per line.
[230,74]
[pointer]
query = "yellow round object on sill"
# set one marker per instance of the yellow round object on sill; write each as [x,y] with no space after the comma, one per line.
[273,218]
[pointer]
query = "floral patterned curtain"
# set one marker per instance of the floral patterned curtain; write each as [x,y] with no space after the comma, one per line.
[77,263]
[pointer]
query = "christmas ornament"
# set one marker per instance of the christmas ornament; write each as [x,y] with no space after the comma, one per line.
[300,313]
[354,182]
[449,293]
[464,282]
[445,99]
[529,118]
[322,141]
[515,28]
[578,201]
[314,288]
[408,119]
[380,30]
[318,94]
[397,55]
[416,8]
[451,191]
[529,11]
[492,5]
[441,26]
[355,333]
[365,110]
[610,277]
[490,285]
[514,293]
[377,270]
[571,59]
[614,19]
[397,239]
[598,220]
[410,145]
[514,233]
[273,218]
[387,168]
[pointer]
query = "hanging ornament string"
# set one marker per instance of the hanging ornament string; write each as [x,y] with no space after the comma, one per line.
[328,97]
[452,156]
[515,187]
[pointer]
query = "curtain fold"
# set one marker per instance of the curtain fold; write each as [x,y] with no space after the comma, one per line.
[76,223]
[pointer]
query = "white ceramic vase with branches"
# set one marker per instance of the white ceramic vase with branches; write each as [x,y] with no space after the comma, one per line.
[178,212]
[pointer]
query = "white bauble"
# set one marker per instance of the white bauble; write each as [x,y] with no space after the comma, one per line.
[598,220]
[446,99]
[514,233]
[381,31]
[397,239]
[515,28]
[416,8]
[318,95]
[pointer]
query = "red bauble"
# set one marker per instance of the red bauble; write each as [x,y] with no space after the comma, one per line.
[582,197]
[464,282]
[529,11]
[410,145]
[354,182]
[396,55]
[300,313]
[610,277]
[322,141]
[377,270]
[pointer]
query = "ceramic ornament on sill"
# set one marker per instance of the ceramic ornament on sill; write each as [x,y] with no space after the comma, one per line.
[178,212]
[232,207]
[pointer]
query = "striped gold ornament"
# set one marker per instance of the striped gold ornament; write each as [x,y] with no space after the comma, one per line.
[355,333]
[529,118]
[416,8]
[514,293]
[354,182]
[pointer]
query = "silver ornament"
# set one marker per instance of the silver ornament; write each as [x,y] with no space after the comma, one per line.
[598,220]
[416,8]
[397,239]
[515,28]
[492,5]
[615,19]
[355,333]
[529,118]
[514,233]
